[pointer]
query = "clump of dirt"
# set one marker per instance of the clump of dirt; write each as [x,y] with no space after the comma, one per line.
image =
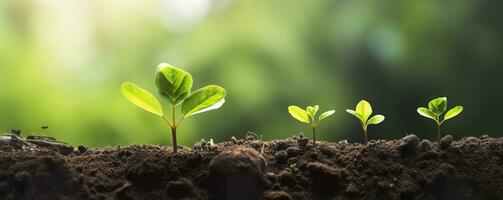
[408,168]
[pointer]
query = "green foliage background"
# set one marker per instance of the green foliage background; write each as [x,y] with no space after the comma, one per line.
[62,63]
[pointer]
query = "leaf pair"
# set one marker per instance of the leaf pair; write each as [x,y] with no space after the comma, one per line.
[309,114]
[436,108]
[175,85]
[363,111]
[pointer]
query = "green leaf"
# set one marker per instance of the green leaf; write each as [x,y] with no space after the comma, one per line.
[354,113]
[326,114]
[312,110]
[376,119]
[453,112]
[173,83]
[364,110]
[438,105]
[298,113]
[205,99]
[425,112]
[141,98]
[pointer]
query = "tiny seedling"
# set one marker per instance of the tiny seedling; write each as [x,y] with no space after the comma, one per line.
[175,85]
[436,108]
[308,116]
[363,112]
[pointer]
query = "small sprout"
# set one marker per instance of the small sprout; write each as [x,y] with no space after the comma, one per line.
[436,108]
[175,85]
[363,112]
[308,116]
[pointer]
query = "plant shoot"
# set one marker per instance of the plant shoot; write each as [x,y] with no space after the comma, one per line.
[175,85]
[308,116]
[436,108]
[362,112]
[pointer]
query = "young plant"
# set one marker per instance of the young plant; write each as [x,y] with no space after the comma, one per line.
[437,107]
[308,116]
[175,85]
[363,112]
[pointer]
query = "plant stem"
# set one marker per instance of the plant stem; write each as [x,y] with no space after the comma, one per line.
[173,135]
[173,129]
[314,135]
[365,136]
[439,133]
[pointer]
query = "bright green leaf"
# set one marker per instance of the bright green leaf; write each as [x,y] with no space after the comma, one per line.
[425,112]
[326,114]
[438,105]
[376,119]
[299,114]
[312,110]
[354,113]
[173,83]
[205,99]
[453,112]
[141,98]
[364,110]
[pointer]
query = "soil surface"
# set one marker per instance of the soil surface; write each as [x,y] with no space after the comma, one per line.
[407,168]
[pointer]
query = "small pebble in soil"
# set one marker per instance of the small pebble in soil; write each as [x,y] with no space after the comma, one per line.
[281,156]
[446,142]
[293,151]
[234,140]
[237,168]
[237,161]
[426,145]
[408,145]
[309,146]
[286,177]
[276,195]
[472,140]
[256,144]
[81,149]
[484,137]
[270,176]
[302,142]
[197,146]
[326,150]
[282,145]
[326,177]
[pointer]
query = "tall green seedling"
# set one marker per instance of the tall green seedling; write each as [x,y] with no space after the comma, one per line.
[175,84]
[362,112]
[308,116]
[436,108]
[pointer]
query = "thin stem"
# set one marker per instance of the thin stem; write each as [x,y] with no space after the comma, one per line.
[314,135]
[173,129]
[365,136]
[439,131]
[173,134]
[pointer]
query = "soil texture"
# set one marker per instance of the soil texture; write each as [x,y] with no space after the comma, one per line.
[407,168]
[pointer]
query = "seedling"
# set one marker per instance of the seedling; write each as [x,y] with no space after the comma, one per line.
[175,85]
[363,112]
[308,116]
[436,108]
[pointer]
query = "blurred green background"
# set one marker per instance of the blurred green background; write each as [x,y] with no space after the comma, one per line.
[62,63]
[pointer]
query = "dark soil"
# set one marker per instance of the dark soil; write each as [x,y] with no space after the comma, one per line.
[409,168]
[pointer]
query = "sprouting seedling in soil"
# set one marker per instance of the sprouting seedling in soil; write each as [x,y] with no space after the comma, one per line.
[363,112]
[436,108]
[175,85]
[308,116]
